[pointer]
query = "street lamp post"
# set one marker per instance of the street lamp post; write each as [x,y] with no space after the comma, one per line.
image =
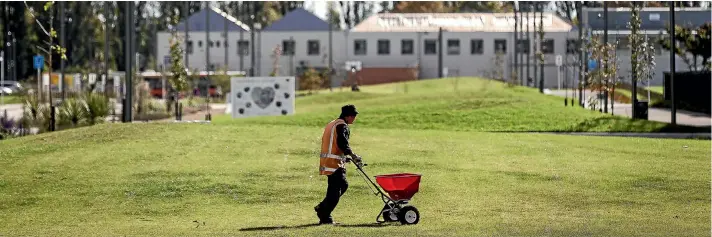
[252,44]
[2,77]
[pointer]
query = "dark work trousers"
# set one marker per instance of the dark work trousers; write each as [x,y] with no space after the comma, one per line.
[337,186]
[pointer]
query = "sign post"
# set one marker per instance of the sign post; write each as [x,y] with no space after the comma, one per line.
[38,63]
[559,61]
[2,77]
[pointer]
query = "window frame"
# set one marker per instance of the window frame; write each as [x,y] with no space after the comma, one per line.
[387,49]
[317,47]
[412,46]
[364,47]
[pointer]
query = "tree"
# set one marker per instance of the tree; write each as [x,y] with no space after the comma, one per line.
[179,77]
[333,16]
[421,7]
[355,12]
[689,44]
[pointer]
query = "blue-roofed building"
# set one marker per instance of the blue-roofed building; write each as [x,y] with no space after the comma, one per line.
[220,43]
[299,20]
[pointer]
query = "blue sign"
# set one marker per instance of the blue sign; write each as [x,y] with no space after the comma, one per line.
[38,61]
[592,64]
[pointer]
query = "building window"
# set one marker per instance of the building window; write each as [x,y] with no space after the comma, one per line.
[200,43]
[217,44]
[547,46]
[453,47]
[406,46]
[288,47]
[523,46]
[384,47]
[572,46]
[190,47]
[243,47]
[500,46]
[360,47]
[312,47]
[431,47]
[476,46]
[211,44]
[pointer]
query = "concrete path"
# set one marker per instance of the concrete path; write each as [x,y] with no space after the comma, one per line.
[706,136]
[14,111]
[654,114]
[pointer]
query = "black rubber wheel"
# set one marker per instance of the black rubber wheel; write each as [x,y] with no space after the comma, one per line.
[409,215]
[389,216]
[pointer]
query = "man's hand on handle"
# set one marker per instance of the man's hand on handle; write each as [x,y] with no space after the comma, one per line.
[356,159]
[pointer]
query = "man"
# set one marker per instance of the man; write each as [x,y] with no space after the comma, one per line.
[335,152]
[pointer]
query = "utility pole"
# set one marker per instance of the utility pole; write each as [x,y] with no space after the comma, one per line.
[582,58]
[605,67]
[208,68]
[61,44]
[440,52]
[227,67]
[331,47]
[536,47]
[541,54]
[673,109]
[128,82]
[516,41]
[522,80]
[106,43]
[529,44]
[185,29]
[252,40]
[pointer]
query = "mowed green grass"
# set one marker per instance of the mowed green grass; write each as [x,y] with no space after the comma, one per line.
[658,89]
[12,99]
[157,179]
[260,178]
[466,104]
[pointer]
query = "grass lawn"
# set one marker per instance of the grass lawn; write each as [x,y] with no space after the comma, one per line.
[156,179]
[12,99]
[658,89]
[476,105]
[252,178]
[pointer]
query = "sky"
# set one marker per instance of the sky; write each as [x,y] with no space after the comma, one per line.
[318,7]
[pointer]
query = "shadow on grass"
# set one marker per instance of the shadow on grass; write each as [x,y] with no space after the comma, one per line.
[613,124]
[281,227]
[270,228]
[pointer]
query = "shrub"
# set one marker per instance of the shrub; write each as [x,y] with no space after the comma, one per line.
[97,107]
[72,112]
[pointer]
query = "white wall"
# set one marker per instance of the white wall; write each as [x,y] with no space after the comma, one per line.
[464,64]
[217,55]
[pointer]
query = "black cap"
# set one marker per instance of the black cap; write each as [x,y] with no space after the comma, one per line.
[348,110]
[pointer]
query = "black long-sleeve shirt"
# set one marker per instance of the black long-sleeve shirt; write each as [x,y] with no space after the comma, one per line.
[342,138]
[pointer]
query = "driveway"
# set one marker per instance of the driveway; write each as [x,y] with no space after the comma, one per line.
[654,114]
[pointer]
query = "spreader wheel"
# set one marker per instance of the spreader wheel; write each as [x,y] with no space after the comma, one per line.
[409,215]
[388,214]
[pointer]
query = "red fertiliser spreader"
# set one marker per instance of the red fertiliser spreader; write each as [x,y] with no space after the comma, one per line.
[400,188]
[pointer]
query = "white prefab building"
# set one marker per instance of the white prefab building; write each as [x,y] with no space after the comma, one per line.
[470,44]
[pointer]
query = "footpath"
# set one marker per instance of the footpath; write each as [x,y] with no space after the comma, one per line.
[654,114]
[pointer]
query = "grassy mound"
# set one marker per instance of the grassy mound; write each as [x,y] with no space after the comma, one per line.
[234,180]
[255,178]
[467,104]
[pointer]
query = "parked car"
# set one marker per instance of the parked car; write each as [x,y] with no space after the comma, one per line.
[10,87]
[6,91]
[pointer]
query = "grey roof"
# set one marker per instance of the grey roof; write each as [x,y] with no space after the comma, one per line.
[651,18]
[299,20]
[196,22]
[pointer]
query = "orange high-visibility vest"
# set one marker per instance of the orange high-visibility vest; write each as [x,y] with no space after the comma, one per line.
[331,157]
